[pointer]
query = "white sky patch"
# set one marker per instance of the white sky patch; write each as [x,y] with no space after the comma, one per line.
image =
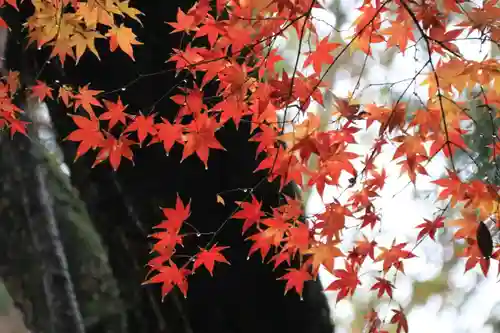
[452,311]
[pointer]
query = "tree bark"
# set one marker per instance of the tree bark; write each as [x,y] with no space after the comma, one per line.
[51,257]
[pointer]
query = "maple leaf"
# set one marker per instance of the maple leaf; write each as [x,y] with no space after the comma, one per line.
[321,55]
[124,7]
[370,219]
[399,318]
[143,125]
[467,224]
[400,33]
[17,126]
[86,98]
[208,258]
[175,216]
[168,134]
[200,138]
[263,242]
[295,278]
[361,250]
[332,221]
[430,228]
[298,238]
[393,256]
[13,81]
[170,276]
[62,47]
[347,281]
[83,41]
[124,38]
[383,286]
[232,108]
[114,113]
[453,187]
[250,211]
[266,138]
[114,149]
[41,90]
[324,254]
[88,134]
[66,95]
[166,243]
[184,22]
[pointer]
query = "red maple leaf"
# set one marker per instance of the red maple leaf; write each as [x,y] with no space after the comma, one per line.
[208,258]
[263,242]
[250,212]
[86,98]
[201,137]
[430,228]
[167,240]
[321,55]
[185,22]
[383,286]
[88,134]
[41,90]
[143,125]
[399,318]
[16,126]
[114,149]
[295,278]
[168,134]
[347,281]
[175,216]
[114,113]
[170,276]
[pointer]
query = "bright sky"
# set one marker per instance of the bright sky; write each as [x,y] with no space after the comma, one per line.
[402,211]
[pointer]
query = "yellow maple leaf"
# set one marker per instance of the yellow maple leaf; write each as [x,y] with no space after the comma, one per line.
[131,12]
[93,14]
[62,48]
[83,40]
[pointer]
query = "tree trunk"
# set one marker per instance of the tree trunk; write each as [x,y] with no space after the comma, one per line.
[51,257]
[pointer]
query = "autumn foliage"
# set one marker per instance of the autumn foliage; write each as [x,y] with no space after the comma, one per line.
[232,46]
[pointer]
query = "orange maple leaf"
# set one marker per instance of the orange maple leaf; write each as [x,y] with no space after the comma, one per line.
[323,254]
[394,256]
[124,38]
